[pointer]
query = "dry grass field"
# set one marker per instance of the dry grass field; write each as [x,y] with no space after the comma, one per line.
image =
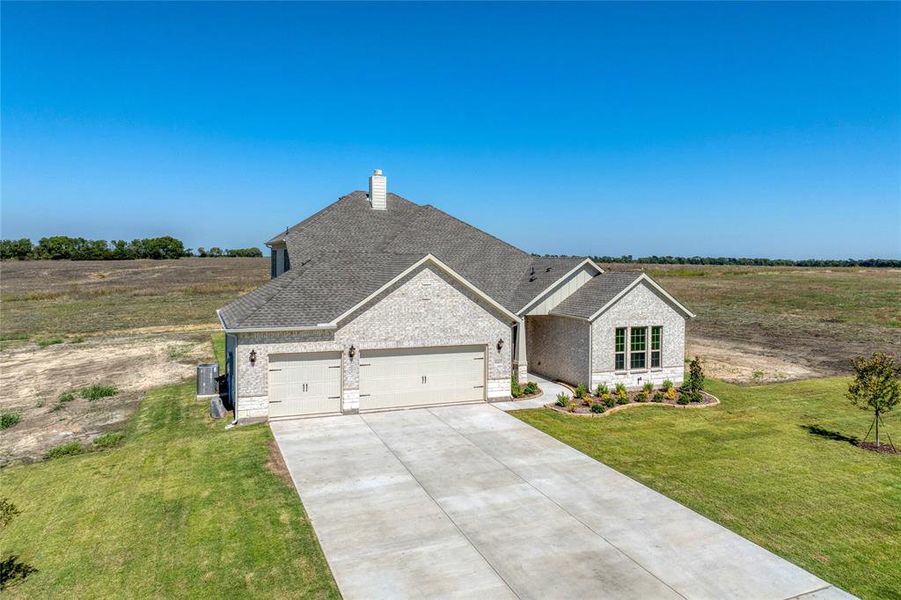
[138,324]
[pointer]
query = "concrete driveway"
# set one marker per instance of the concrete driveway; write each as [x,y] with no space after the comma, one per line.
[467,501]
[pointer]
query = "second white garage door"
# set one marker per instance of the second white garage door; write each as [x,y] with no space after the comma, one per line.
[304,384]
[421,376]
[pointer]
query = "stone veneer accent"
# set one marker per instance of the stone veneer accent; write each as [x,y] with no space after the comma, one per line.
[427,308]
[558,348]
[641,307]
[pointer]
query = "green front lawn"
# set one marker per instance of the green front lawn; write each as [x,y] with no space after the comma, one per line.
[182,509]
[771,464]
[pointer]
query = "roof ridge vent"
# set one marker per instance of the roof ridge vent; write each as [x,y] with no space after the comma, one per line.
[378,190]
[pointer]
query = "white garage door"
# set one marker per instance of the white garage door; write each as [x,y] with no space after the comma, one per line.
[421,376]
[304,384]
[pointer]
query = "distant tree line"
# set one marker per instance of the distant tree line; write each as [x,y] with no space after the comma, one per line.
[234,252]
[62,247]
[760,262]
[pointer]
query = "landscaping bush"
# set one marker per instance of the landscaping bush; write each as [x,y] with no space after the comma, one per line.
[598,408]
[95,392]
[580,391]
[515,389]
[695,381]
[530,388]
[648,388]
[109,440]
[658,396]
[563,399]
[67,449]
[682,399]
[671,393]
[609,402]
[622,396]
[641,396]
[667,385]
[9,419]
[601,390]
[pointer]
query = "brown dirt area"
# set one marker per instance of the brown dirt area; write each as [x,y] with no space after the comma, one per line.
[32,378]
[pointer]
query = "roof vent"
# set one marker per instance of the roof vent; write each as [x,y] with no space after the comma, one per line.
[378,190]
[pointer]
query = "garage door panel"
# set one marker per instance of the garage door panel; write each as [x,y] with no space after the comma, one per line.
[421,376]
[304,384]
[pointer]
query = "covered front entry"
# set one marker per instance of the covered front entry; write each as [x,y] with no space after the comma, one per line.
[304,384]
[421,376]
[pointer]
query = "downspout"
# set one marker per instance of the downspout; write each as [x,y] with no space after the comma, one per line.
[590,354]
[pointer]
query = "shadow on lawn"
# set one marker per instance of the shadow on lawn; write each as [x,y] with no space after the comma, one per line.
[830,435]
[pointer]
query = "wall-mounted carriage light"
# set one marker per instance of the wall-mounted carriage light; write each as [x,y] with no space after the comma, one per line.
[500,344]
[253,357]
[351,351]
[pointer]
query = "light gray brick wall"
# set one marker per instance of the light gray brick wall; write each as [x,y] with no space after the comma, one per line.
[427,308]
[641,307]
[558,348]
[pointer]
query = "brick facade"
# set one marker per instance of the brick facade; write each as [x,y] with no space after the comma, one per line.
[558,348]
[427,308]
[641,307]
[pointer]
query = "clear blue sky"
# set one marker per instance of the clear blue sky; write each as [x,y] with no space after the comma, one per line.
[711,129]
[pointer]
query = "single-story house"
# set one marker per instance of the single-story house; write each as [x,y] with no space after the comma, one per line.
[376,302]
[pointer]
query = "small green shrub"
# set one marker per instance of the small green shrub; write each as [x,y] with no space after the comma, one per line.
[50,342]
[65,397]
[648,388]
[658,396]
[667,385]
[641,396]
[515,389]
[109,440]
[695,381]
[622,399]
[682,399]
[580,391]
[598,408]
[609,402]
[67,449]
[622,396]
[9,419]
[563,399]
[96,391]
[601,390]
[530,388]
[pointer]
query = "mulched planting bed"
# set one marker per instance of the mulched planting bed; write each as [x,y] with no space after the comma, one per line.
[881,448]
[582,407]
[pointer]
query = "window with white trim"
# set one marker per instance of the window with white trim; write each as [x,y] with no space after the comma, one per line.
[638,347]
[619,349]
[656,345]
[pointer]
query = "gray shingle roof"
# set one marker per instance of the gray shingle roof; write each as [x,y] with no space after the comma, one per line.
[597,292]
[346,251]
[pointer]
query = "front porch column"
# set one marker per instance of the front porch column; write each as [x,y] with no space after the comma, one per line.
[521,359]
